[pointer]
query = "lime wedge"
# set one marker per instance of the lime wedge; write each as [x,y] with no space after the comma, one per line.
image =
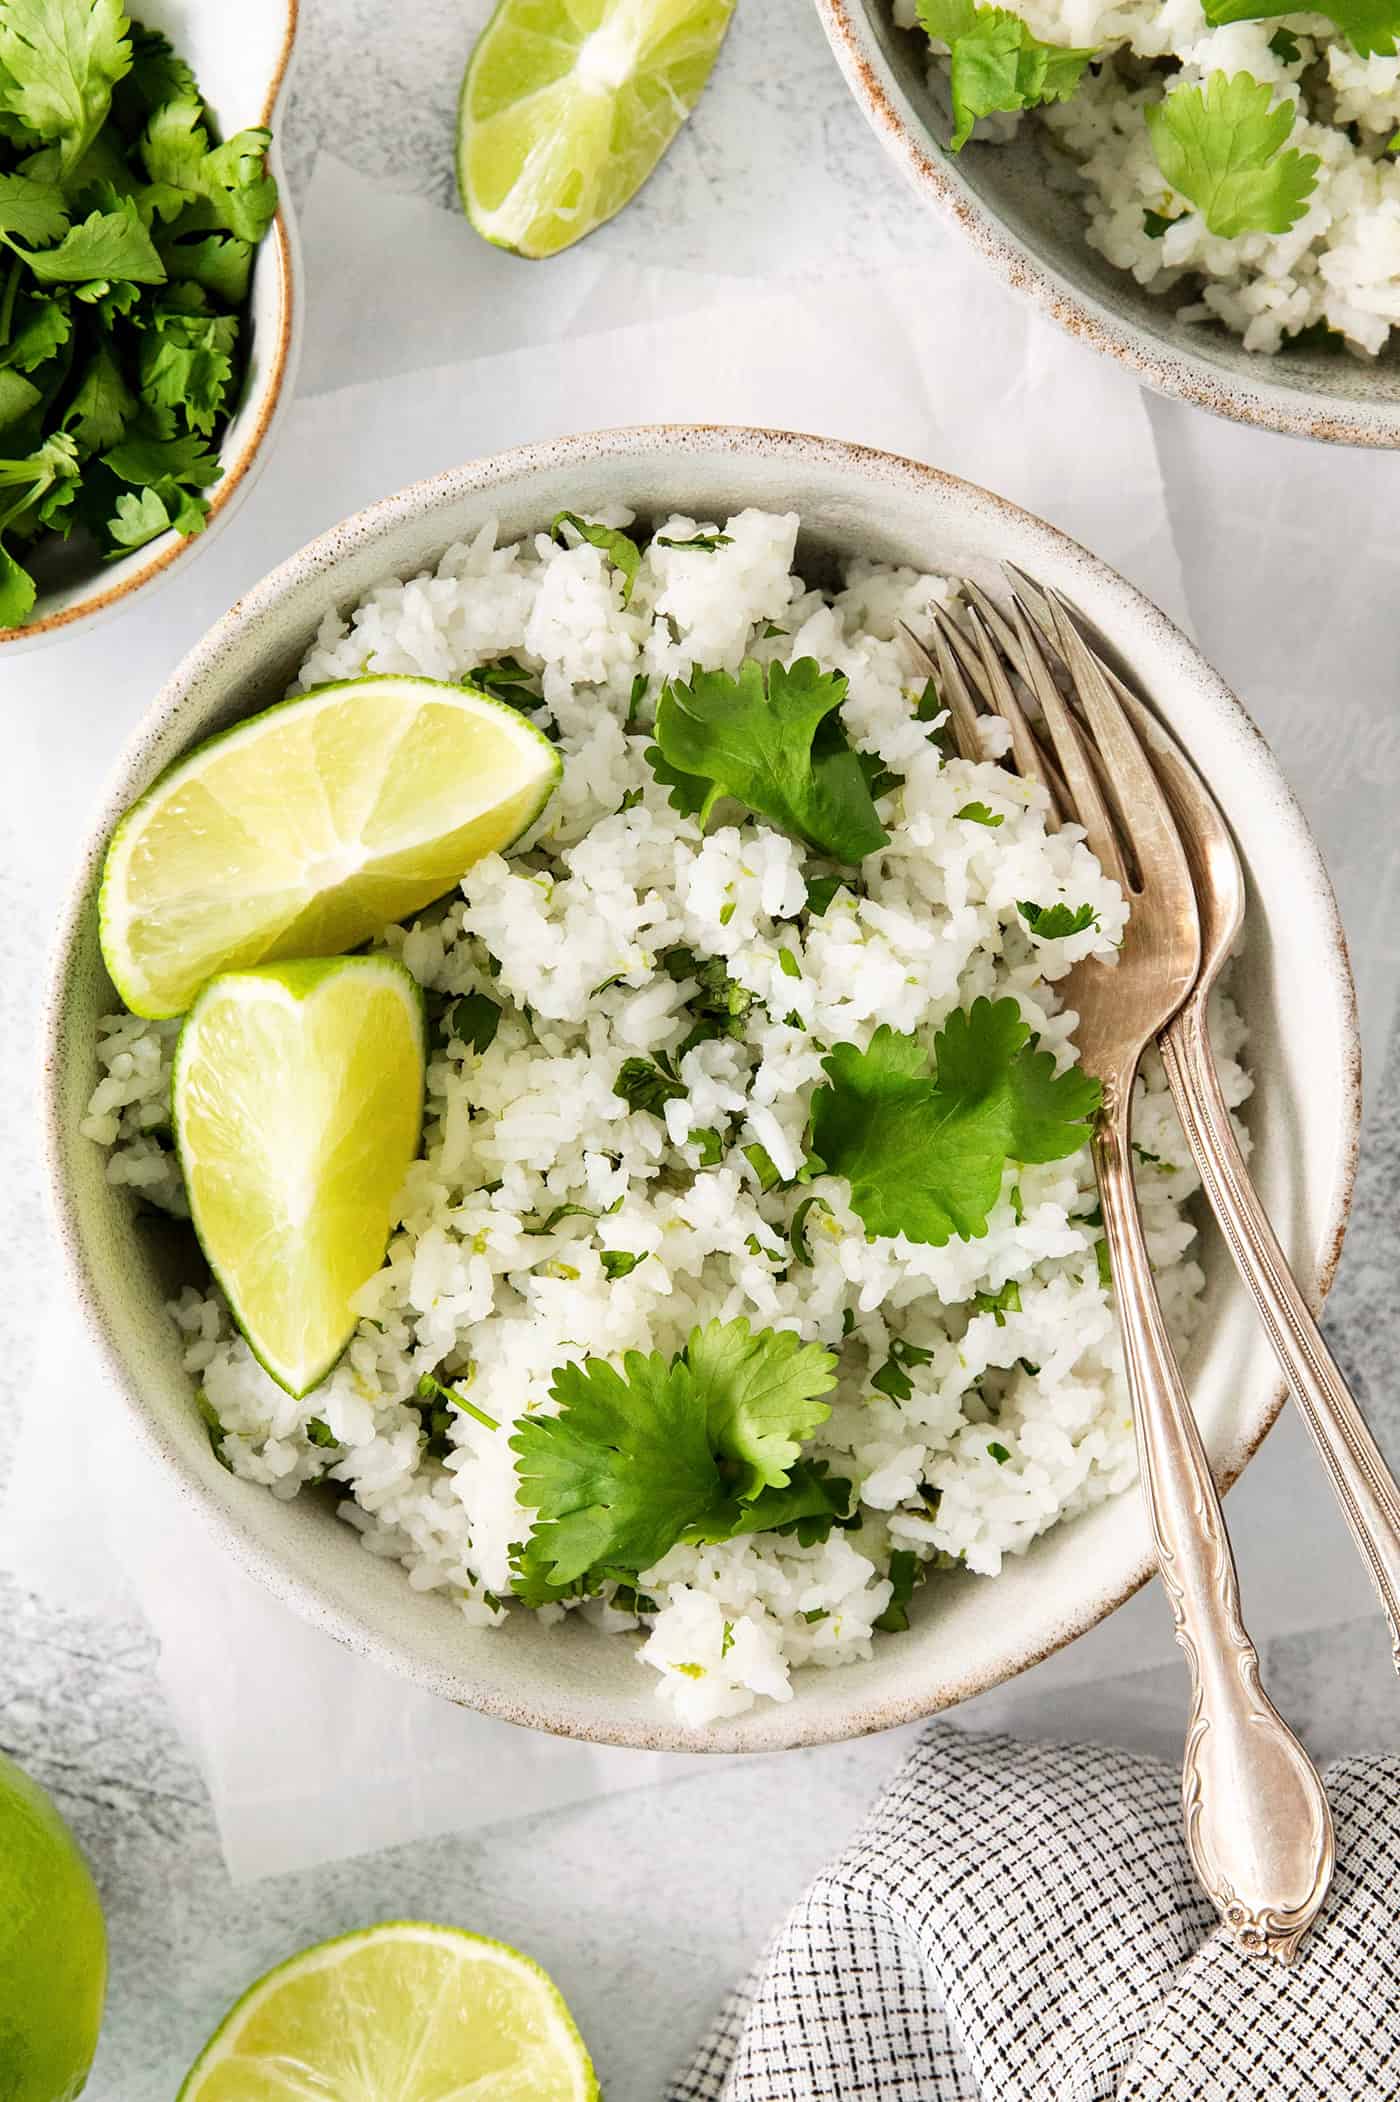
[308,828]
[568,105]
[298,1099]
[398,2013]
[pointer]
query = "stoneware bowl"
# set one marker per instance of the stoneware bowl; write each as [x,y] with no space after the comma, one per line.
[1032,234]
[240,56]
[968,1633]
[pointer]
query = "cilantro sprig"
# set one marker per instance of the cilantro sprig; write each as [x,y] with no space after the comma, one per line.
[925,1152]
[1370,26]
[996,63]
[127,233]
[703,1446]
[1222,148]
[768,737]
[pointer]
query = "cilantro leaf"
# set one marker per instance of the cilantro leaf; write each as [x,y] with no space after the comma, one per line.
[756,737]
[1284,46]
[1370,26]
[102,404]
[33,211]
[979,814]
[623,1468]
[924,1155]
[185,364]
[42,327]
[105,246]
[996,63]
[1221,148]
[699,543]
[760,1392]
[17,397]
[220,263]
[623,553]
[619,1262]
[638,1458]
[59,61]
[644,1084]
[1055,923]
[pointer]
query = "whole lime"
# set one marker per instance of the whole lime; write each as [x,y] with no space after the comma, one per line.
[53,1949]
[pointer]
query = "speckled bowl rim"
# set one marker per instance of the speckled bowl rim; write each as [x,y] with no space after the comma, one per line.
[784,1727]
[282,239]
[1192,378]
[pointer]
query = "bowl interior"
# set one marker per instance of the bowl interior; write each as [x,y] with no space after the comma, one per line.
[968,1633]
[1007,198]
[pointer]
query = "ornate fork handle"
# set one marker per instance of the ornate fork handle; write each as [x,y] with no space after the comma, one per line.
[1364,1485]
[1257,1822]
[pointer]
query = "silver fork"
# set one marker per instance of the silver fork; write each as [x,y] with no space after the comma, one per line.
[1257,1822]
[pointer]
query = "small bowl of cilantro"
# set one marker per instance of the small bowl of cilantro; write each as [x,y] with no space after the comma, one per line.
[1211,196]
[146,321]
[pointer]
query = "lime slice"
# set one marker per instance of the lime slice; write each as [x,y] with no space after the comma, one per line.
[398,2013]
[298,1097]
[53,1949]
[308,828]
[568,105]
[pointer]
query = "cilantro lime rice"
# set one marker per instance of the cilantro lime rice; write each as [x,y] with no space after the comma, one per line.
[692,1321]
[1248,169]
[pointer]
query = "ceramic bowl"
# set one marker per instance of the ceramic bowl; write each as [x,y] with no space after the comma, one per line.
[968,1633]
[240,56]
[1032,234]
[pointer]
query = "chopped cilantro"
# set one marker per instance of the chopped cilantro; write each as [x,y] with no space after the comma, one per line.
[560,1211]
[624,554]
[710,1143]
[1284,46]
[979,814]
[704,1445]
[820,892]
[634,701]
[1104,1267]
[726,1640]
[996,63]
[699,543]
[1392,144]
[719,1003]
[474,1019]
[999,1304]
[619,1262]
[648,1084]
[1221,147]
[761,1161]
[1055,923]
[506,679]
[761,738]
[320,1432]
[797,1231]
[997,1452]
[817,1613]
[905,1571]
[924,1154]
[1155,224]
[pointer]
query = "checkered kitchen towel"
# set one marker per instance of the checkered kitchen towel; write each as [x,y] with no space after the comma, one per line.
[1019,1923]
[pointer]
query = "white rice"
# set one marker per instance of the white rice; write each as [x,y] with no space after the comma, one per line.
[1338,266]
[592,900]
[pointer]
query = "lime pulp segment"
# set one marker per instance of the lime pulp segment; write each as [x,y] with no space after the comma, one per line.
[567,107]
[403,2012]
[308,828]
[298,1099]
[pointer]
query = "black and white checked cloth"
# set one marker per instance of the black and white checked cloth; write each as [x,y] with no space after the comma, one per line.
[1019,1923]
